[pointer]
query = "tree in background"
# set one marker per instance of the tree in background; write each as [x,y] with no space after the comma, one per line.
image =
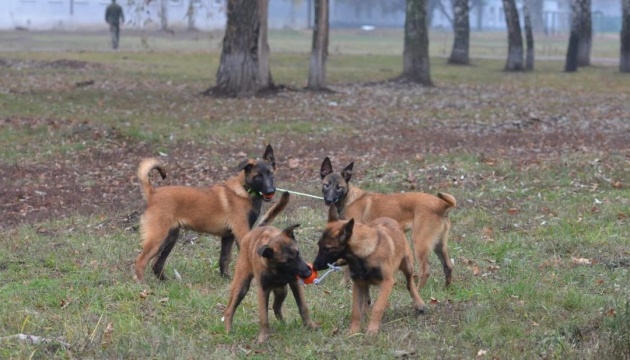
[515,38]
[574,38]
[586,34]
[624,59]
[163,14]
[461,28]
[319,49]
[416,67]
[529,36]
[244,67]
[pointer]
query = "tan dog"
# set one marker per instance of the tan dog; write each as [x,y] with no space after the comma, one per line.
[228,210]
[373,253]
[425,215]
[271,257]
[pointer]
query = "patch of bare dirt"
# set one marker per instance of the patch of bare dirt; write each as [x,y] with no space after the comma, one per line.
[101,179]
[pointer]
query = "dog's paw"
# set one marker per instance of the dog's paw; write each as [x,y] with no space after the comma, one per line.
[313,325]
[372,331]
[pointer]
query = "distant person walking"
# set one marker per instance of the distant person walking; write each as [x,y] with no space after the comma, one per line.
[114,16]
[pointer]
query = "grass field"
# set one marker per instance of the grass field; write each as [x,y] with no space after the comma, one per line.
[539,163]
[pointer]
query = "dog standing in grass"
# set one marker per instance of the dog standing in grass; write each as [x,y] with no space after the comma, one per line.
[272,258]
[373,253]
[425,215]
[227,209]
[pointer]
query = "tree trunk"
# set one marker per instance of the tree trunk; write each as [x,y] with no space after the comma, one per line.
[586,34]
[163,15]
[244,68]
[416,67]
[574,38]
[529,36]
[515,38]
[319,50]
[624,59]
[461,28]
[190,14]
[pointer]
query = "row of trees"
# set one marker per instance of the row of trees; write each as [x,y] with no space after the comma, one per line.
[244,66]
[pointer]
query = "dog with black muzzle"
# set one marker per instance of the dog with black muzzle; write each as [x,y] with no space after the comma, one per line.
[425,215]
[373,252]
[227,209]
[271,257]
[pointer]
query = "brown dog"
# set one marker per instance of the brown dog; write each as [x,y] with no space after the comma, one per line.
[271,257]
[228,210]
[373,253]
[424,214]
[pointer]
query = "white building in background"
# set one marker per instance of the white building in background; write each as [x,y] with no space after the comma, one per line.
[297,14]
[90,14]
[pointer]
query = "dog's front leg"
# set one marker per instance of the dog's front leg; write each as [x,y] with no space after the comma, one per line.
[358,296]
[227,242]
[263,313]
[379,306]
[238,290]
[300,300]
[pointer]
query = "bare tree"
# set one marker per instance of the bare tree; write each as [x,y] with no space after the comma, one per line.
[416,66]
[319,50]
[529,36]
[461,28]
[586,34]
[163,14]
[574,38]
[244,67]
[190,14]
[624,59]
[515,38]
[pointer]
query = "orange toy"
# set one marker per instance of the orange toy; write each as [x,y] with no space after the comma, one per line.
[310,279]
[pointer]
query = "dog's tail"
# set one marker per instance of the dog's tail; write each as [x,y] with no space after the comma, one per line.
[146,166]
[275,210]
[450,201]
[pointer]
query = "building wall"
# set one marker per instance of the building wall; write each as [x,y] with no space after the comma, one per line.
[90,14]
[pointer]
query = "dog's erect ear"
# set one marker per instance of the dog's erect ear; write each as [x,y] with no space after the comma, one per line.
[326,168]
[245,165]
[265,251]
[346,173]
[268,156]
[346,232]
[289,231]
[333,214]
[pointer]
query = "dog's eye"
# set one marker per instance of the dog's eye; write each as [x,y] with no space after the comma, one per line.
[338,187]
[326,186]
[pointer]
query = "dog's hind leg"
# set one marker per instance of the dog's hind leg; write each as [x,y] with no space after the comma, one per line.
[164,251]
[227,242]
[154,235]
[279,294]
[441,250]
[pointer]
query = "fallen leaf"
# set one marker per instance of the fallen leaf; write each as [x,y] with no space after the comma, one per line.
[475,270]
[621,216]
[617,185]
[144,293]
[493,268]
[294,163]
[163,300]
[513,211]
[611,312]
[581,261]
[481,353]
[434,301]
